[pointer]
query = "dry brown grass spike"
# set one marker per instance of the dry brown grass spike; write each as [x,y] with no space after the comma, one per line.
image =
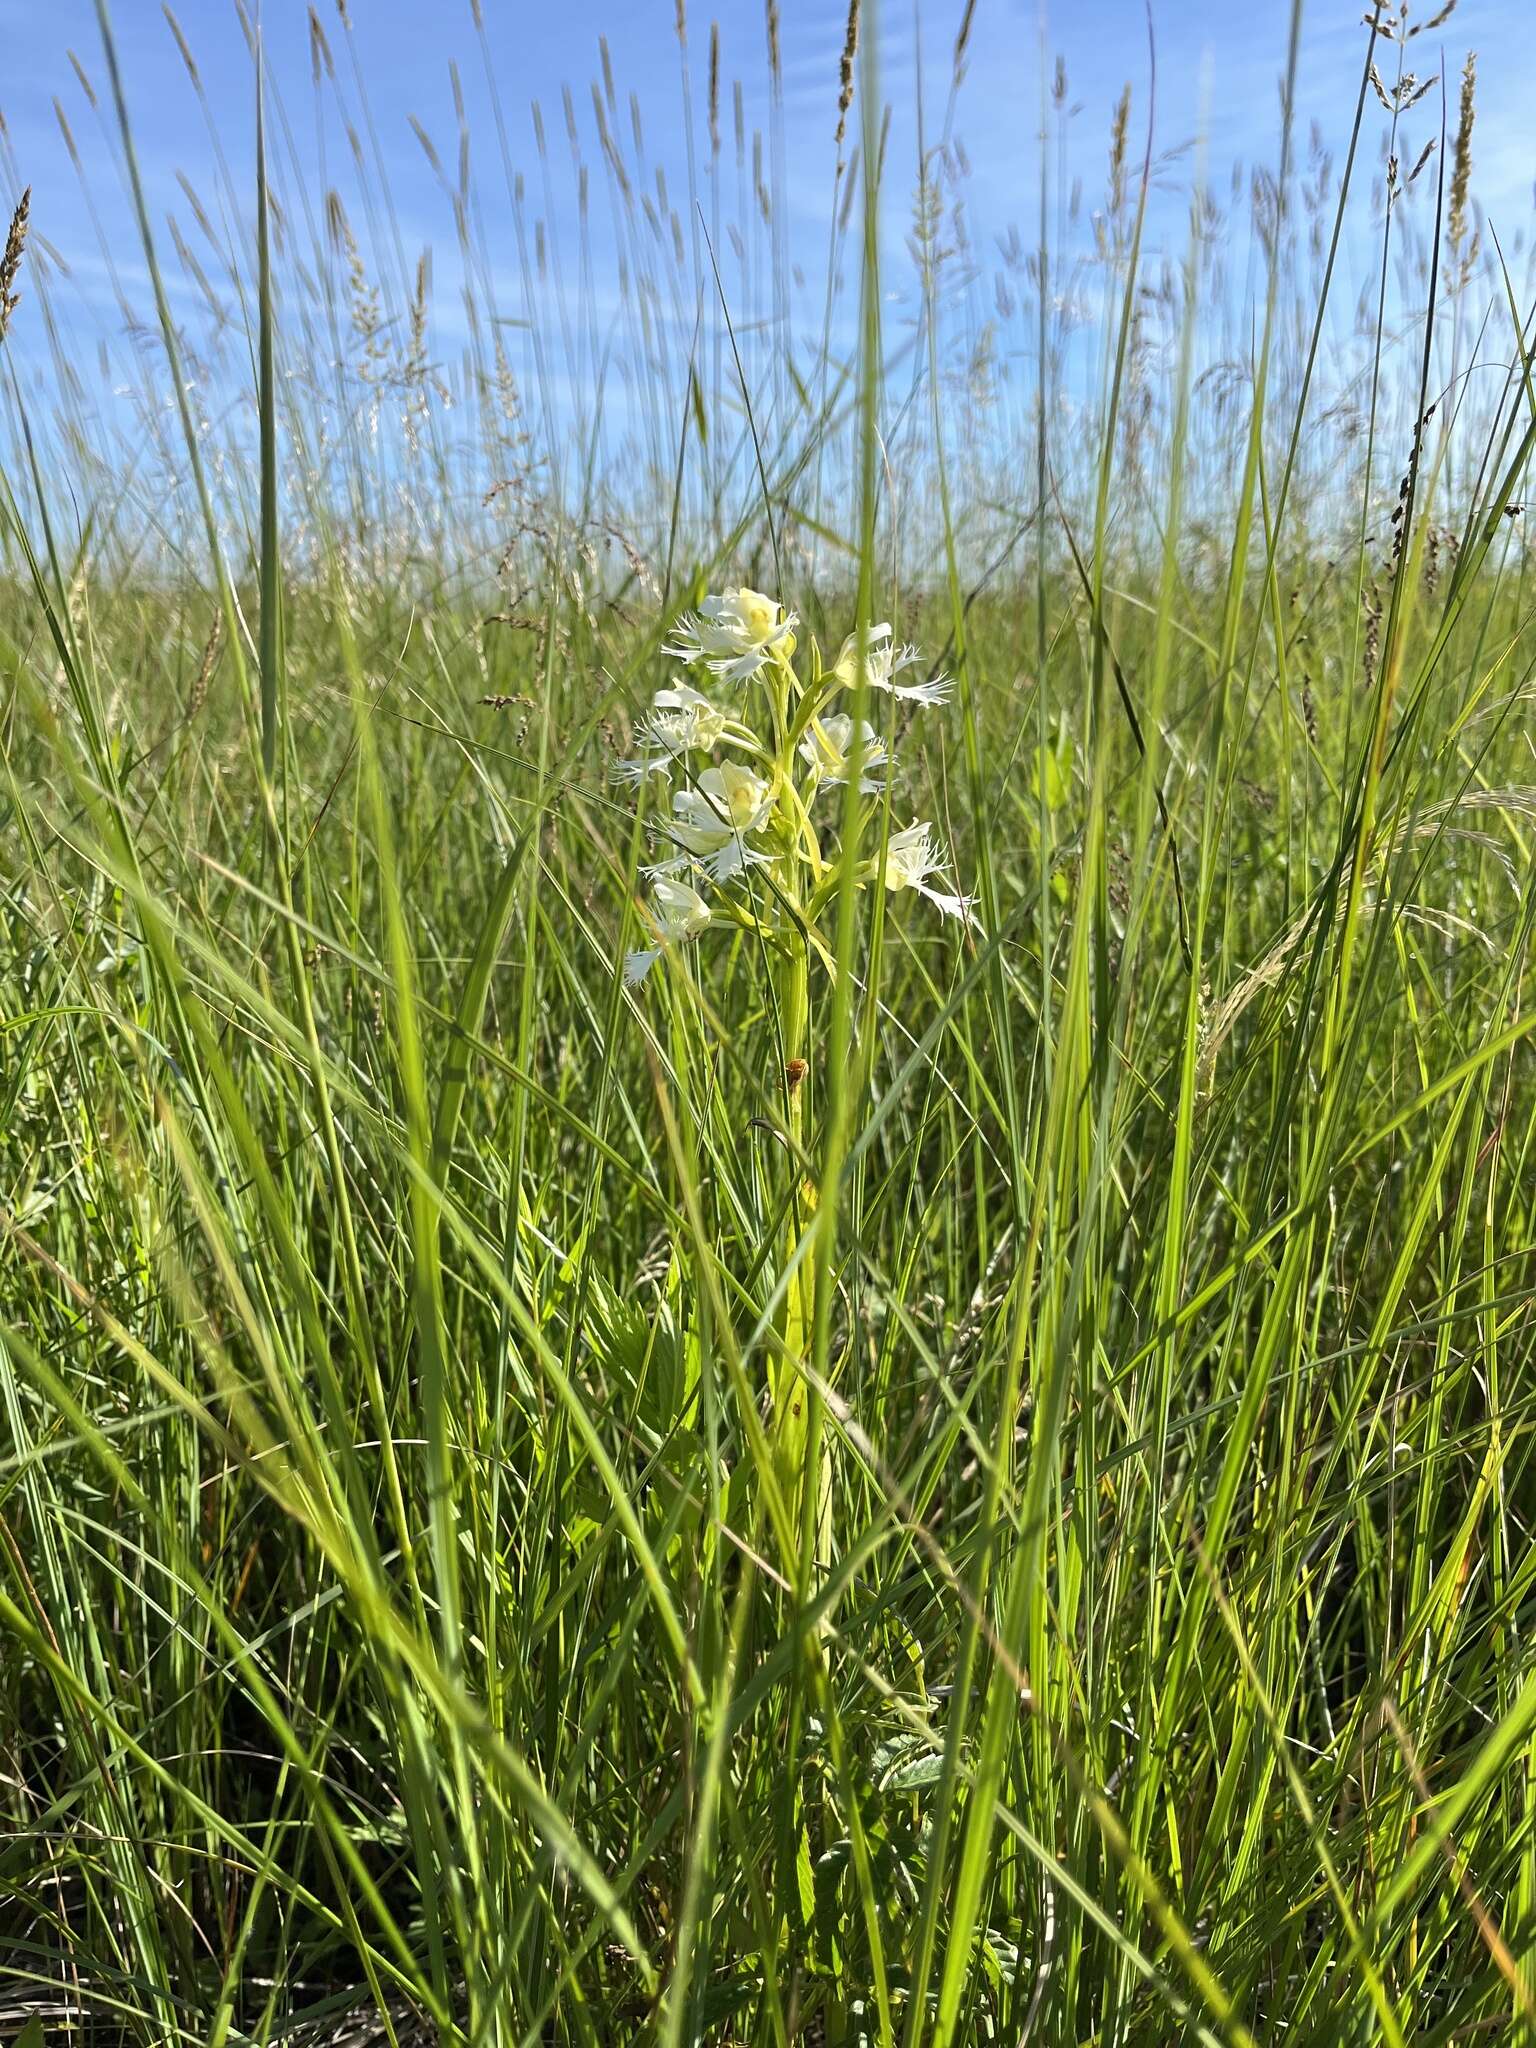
[10,263]
[845,75]
[205,668]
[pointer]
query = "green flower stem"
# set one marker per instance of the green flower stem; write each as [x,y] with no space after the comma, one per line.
[797,1316]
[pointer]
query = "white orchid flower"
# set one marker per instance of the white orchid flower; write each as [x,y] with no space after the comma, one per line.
[677,912]
[711,823]
[910,858]
[883,662]
[682,721]
[734,633]
[828,748]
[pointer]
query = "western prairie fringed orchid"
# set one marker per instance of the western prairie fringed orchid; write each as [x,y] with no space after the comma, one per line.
[751,766]
[738,839]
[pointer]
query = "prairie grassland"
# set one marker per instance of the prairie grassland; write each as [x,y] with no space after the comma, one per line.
[421,1620]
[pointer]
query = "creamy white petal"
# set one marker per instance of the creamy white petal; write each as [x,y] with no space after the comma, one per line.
[960,907]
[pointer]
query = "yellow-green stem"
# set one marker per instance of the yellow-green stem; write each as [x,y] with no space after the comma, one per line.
[791,1395]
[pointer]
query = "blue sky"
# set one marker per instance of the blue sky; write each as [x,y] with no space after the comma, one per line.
[1218,68]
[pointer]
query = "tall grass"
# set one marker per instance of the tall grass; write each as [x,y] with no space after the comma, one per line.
[418,1621]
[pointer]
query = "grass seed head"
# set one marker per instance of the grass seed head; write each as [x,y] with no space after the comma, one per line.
[10,262]
[1461,161]
[1118,138]
[845,73]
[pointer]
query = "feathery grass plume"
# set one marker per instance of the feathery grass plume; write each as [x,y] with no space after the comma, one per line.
[365,299]
[10,261]
[198,696]
[775,61]
[845,71]
[415,374]
[1119,137]
[1461,159]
